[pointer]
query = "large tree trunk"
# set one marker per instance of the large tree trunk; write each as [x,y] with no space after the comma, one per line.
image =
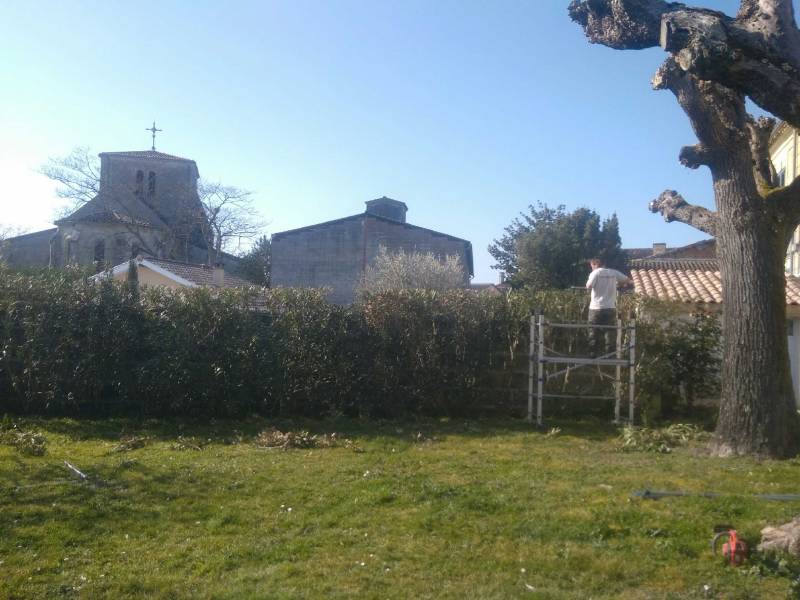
[757,412]
[716,62]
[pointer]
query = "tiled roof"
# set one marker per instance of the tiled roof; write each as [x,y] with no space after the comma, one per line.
[695,281]
[147,154]
[111,210]
[636,253]
[197,274]
[701,249]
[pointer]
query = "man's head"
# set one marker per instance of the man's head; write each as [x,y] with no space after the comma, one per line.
[595,263]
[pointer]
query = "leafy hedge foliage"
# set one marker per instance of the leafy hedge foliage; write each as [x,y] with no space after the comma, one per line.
[78,348]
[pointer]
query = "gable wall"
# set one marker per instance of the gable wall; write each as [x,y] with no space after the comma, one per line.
[334,255]
[330,256]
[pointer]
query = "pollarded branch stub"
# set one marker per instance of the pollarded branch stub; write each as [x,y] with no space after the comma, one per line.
[694,157]
[759,131]
[673,207]
[717,113]
[757,54]
[621,24]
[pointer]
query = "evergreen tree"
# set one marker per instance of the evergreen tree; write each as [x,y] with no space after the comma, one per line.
[255,265]
[550,247]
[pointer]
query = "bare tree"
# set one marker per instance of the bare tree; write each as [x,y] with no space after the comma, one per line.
[78,176]
[716,61]
[229,215]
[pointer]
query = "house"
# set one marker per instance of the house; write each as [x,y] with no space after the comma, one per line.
[147,203]
[701,249]
[695,283]
[335,254]
[174,274]
[784,151]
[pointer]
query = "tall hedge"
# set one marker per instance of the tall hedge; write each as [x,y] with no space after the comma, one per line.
[70,346]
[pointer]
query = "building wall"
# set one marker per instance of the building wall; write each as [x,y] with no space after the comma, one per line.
[334,255]
[150,278]
[329,256]
[30,250]
[785,154]
[78,243]
[175,183]
[409,239]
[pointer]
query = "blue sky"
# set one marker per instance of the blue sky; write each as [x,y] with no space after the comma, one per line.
[467,111]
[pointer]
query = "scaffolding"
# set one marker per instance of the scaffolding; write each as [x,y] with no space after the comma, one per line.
[623,356]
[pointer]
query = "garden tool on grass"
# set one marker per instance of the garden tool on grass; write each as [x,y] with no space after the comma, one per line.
[733,549]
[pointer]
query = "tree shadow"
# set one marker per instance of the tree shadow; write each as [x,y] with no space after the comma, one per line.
[594,427]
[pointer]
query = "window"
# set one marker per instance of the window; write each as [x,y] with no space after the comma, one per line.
[790,327]
[139,183]
[782,177]
[151,183]
[100,251]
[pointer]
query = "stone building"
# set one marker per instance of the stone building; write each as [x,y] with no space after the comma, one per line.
[335,254]
[147,204]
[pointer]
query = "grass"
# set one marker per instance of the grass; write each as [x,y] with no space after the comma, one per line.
[464,510]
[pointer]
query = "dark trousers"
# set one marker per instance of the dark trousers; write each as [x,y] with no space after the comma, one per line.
[602,316]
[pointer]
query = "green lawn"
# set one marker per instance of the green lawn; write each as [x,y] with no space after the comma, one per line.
[470,510]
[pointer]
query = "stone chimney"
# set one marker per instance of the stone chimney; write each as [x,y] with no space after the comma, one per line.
[218,275]
[387,208]
[659,248]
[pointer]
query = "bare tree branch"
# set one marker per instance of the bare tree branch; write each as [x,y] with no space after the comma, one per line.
[78,176]
[673,207]
[757,53]
[621,24]
[693,157]
[228,214]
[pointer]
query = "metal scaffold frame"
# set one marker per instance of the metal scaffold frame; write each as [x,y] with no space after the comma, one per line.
[539,357]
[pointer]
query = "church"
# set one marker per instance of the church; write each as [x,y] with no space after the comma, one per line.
[147,204]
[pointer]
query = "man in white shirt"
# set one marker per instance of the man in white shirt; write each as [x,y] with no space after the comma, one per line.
[603,307]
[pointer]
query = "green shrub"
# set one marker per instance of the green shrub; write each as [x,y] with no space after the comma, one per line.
[73,347]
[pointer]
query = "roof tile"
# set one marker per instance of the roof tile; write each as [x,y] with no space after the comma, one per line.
[695,281]
[197,274]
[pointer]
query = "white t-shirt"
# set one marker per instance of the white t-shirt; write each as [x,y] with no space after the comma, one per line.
[603,283]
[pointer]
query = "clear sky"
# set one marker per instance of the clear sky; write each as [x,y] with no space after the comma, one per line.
[467,111]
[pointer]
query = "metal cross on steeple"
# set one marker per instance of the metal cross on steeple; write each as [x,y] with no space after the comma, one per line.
[153,131]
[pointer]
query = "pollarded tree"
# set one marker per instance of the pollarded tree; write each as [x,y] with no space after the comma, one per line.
[715,62]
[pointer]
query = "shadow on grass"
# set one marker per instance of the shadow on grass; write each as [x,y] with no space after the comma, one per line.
[222,430]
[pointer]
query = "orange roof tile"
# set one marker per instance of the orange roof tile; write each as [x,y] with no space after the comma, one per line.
[695,281]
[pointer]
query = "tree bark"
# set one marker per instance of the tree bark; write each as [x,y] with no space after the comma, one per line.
[757,414]
[715,62]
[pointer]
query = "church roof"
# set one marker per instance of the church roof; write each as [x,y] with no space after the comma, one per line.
[106,209]
[146,154]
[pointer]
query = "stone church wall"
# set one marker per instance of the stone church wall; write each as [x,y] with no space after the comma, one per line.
[333,255]
[30,250]
[79,243]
